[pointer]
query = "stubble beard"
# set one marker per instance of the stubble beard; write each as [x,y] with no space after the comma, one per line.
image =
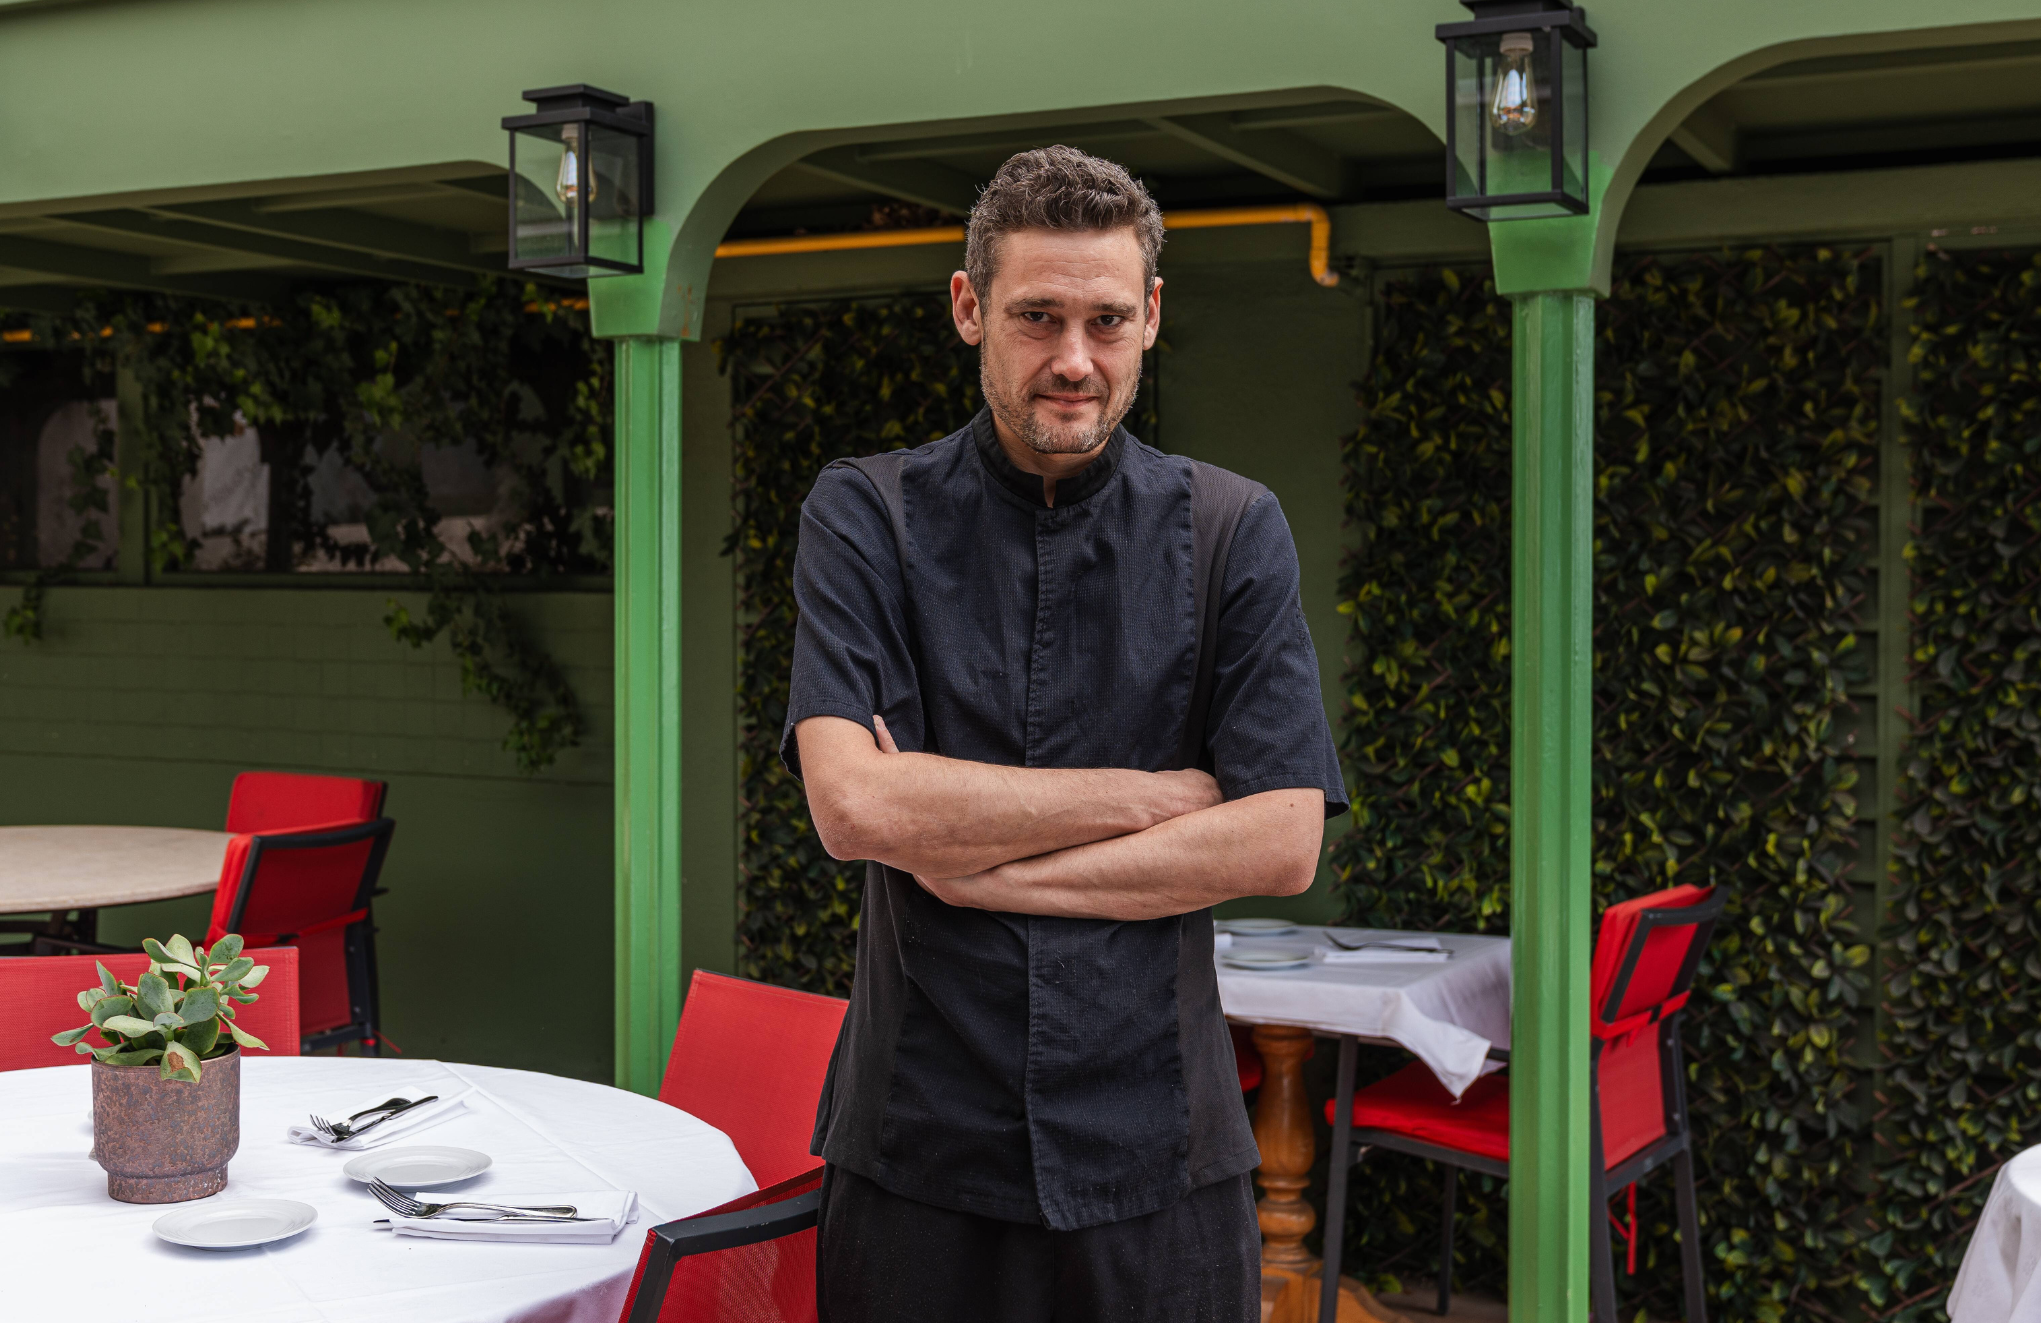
[1012,409]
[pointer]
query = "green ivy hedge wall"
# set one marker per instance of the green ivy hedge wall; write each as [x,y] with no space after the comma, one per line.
[809,384]
[1737,418]
[1962,1042]
[1738,404]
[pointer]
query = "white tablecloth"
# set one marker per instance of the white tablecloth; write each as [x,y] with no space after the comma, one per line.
[1447,1015]
[76,1255]
[1998,1282]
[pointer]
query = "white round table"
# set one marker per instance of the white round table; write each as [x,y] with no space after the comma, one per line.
[61,869]
[545,1133]
[2000,1280]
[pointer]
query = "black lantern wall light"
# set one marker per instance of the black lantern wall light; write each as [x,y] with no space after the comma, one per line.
[1516,100]
[580,182]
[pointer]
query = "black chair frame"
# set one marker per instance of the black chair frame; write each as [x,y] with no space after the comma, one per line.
[674,1241]
[364,998]
[1675,1147]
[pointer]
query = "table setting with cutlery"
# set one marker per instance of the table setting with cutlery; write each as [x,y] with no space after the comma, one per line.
[353,1184]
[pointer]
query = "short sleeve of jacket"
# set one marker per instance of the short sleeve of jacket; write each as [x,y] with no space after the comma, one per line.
[851,654]
[1267,728]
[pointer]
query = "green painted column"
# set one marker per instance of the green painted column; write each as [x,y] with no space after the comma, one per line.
[648,956]
[1552,650]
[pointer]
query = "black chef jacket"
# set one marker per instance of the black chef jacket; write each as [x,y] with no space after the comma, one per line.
[1068,1071]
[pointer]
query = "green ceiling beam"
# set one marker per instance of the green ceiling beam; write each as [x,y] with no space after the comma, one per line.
[1006,140]
[910,181]
[1311,116]
[1711,138]
[1291,161]
[355,231]
[204,235]
[128,270]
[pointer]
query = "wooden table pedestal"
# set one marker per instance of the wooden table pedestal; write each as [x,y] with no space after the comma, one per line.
[1283,1130]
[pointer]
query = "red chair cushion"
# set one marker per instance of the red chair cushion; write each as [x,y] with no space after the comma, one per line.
[750,1058]
[41,996]
[772,1281]
[1412,1102]
[282,801]
[1247,1062]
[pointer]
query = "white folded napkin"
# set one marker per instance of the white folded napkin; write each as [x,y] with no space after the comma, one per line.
[611,1211]
[1222,941]
[1388,951]
[397,1127]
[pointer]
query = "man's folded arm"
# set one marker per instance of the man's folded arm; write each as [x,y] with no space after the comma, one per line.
[945,817]
[1259,845]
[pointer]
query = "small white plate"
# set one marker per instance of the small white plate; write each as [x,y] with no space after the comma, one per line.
[419,1167]
[1258,927]
[235,1223]
[1281,957]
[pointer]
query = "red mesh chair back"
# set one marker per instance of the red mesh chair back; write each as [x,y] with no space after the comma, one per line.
[749,1058]
[41,996]
[282,801]
[310,889]
[751,1260]
[1645,958]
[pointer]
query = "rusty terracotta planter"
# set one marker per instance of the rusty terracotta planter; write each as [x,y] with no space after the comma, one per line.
[165,1141]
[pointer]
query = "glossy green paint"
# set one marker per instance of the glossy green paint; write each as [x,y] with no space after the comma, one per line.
[648,704]
[1551,867]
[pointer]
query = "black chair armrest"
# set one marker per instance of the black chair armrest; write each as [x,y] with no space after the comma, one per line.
[673,1241]
[746,1226]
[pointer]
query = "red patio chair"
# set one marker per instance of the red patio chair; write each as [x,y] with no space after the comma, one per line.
[749,1058]
[283,801]
[1645,958]
[1247,1062]
[750,1261]
[311,888]
[41,996]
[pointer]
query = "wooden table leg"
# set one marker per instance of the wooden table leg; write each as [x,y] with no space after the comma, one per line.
[1283,1130]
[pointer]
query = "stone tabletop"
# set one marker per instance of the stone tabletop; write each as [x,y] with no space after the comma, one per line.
[61,868]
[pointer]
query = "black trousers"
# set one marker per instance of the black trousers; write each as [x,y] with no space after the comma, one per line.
[882,1258]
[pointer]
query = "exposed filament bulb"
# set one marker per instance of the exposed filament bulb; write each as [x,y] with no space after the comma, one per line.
[568,187]
[1514,108]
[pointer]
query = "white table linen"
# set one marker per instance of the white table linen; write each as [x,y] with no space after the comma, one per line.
[546,1133]
[1999,1281]
[607,1214]
[1446,1014]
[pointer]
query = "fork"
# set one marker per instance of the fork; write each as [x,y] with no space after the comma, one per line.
[403,1205]
[1375,946]
[335,1132]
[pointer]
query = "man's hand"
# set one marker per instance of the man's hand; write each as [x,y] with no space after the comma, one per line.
[944,817]
[1263,845]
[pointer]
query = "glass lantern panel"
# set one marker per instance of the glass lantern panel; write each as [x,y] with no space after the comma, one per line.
[1503,120]
[546,169]
[1573,88]
[616,196]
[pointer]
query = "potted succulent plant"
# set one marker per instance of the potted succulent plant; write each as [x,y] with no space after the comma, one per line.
[166,1087]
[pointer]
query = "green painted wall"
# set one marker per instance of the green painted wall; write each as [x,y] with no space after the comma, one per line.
[142,703]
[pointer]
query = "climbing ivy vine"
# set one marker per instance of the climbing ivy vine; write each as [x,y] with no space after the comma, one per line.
[1737,404]
[376,374]
[1962,1040]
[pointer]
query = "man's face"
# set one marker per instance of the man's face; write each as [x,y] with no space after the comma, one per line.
[1061,334]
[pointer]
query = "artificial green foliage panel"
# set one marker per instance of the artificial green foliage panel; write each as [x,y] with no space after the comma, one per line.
[1962,1088]
[810,384]
[1737,415]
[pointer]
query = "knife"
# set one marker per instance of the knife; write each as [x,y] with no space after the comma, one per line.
[353,1134]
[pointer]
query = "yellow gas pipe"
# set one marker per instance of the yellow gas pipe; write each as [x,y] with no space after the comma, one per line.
[1305,213]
